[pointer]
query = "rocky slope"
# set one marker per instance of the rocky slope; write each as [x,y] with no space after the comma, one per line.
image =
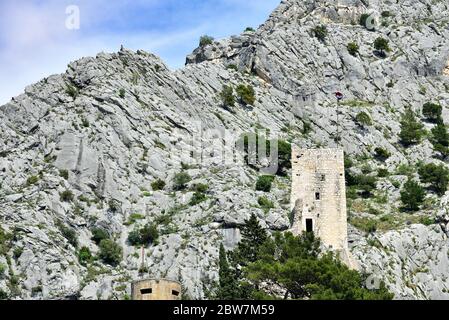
[127,120]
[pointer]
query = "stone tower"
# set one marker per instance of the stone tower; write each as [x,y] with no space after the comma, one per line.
[319,197]
[156,289]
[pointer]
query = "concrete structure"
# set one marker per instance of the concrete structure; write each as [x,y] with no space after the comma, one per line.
[319,198]
[156,289]
[446,70]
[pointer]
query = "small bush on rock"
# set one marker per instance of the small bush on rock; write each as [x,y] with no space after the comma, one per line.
[320,32]
[382,154]
[206,40]
[432,112]
[364,119]
[84,256]
[246,94]
[412,195]
[353,48]
[227,97]
[264,183]
[158,185]
[110,252]
[181,180]
[382,45]
[144,236]
[66,196]
[411,129]
[99,234]
[435,175]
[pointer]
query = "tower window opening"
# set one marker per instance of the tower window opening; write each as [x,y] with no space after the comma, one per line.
[175,293]
[146,291]
[323,177]
[309,225]
[317,196]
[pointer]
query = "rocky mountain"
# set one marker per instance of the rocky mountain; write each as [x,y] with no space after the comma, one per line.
[101,146]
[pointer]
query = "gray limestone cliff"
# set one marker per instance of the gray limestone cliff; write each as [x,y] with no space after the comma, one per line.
[105,130]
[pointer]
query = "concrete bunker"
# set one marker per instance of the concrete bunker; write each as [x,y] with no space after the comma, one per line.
[156,289]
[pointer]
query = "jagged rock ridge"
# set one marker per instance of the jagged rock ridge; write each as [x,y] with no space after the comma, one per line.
[130,120]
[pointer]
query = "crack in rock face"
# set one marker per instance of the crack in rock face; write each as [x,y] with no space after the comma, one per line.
[120,141]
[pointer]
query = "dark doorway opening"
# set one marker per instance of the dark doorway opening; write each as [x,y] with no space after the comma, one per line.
[317,196]
[309,225]
[175,293]
[146,291]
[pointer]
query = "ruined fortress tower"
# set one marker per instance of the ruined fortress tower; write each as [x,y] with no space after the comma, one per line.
[319,198]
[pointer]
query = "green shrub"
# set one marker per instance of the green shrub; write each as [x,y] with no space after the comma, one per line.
[206,40]
[440,139]
[227,96]
[382,45]
[158,185]
[68,233]
[249,29]
[122,93]
[382,154]
[411,129]
[133,218]
[99,234]
[66,196]
[320,32]
[246,94]
[32,180]
[200,187]
[365,224]
[72,91]
[364,119]
[17,252]
[353,48]
[383,173]
[64,174]
[232,67]
[412,195]
[306,128]
[113,205]
[2,270]
[84,256]
[364,183]
[264,183]
[144,236]
[181,180]
[3,295]
[435,175]
[427,221]
[110,252]
[432,112]
[197,198]
[5,241]
[265,204]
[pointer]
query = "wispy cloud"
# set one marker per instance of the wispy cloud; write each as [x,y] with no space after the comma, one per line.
[34,42]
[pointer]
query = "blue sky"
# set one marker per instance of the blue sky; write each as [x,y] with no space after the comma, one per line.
[35,43]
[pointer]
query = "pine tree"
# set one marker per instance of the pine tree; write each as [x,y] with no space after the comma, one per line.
[228,284]
[411,129]
[440,139]
[412,195]
[294,263]
[253,237]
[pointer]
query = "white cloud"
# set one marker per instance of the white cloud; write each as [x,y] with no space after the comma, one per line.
[34,42]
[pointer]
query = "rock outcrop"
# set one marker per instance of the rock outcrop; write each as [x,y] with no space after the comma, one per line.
[111,125]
